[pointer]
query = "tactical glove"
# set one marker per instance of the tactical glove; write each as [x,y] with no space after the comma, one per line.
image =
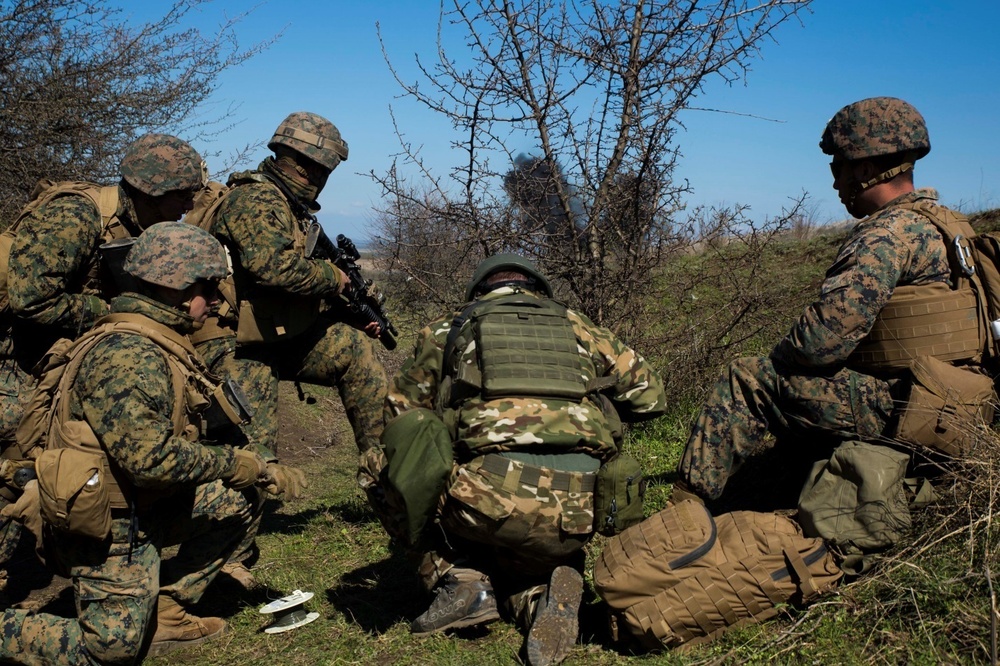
[284,480]
[10,476]
[26,510]
[248,467]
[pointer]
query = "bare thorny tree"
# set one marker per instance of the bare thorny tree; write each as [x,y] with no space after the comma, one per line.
[79,81]
[565,117]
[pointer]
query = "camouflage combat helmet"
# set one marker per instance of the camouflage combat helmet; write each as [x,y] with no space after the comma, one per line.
[875,127]
[312,136]
[506,262]
[176,255]
[161,163]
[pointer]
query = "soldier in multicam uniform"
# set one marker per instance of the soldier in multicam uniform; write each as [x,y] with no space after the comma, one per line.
[56,286]
[823,380]
[519,507]
[289,322]
[175,489]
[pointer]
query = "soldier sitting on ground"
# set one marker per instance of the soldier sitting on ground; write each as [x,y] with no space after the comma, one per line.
[893,300]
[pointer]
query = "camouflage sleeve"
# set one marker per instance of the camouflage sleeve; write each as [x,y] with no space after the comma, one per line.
[417,382]
[52,249]
[124,389]
[856,287]
[638,392]
[256,219]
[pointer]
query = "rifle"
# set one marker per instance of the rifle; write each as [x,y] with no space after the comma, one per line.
[362,300]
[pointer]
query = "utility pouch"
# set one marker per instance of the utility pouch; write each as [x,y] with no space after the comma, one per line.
[618,495]
[944,407]
[419,450]
[270,319]
[73,492]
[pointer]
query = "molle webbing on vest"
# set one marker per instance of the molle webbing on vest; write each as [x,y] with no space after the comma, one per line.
[527,347]
[925,320]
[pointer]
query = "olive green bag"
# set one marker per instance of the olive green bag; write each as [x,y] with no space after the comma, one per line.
[618,495]
[419,450]
[858,500]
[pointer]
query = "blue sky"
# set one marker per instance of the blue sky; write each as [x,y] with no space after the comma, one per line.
[943,57]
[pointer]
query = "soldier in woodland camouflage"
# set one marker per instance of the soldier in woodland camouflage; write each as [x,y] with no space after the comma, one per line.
[821,381]
[56,285]
[290,320]
[176,489]
[519,505]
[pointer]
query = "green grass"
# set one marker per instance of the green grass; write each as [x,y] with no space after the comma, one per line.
[928,609]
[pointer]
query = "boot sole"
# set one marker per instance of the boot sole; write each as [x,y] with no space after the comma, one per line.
[160,648]
[554,632]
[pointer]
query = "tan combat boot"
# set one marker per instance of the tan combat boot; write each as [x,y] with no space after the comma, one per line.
[240,575]
[176,628]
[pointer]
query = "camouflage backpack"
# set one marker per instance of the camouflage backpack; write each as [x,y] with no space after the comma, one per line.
[105,199]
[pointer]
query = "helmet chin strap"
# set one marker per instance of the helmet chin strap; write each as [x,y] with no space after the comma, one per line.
[885,175]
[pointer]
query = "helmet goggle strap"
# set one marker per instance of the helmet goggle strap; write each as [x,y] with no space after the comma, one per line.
[311,139]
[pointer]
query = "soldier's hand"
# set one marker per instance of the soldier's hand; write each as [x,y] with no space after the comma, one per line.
[248,467]
[344,282]
[9,472]
[284,480]
[26,510]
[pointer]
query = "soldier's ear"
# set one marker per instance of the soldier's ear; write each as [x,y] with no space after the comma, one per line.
[865,171]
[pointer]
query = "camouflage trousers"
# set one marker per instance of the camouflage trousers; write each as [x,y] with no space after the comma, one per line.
[513,528]
[756,396]
[116,582]
[329,354]
[15,389]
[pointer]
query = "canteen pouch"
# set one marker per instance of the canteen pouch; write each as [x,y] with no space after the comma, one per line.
[618,495]
[945,405]
[73,492]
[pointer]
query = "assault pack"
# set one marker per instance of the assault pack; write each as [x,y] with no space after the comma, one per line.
[77,485]
[105,200]
[682,577]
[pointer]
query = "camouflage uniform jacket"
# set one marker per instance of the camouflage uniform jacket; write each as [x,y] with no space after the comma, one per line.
[265,237]
[890,248]
[54,261]
[531,423]
[123,390]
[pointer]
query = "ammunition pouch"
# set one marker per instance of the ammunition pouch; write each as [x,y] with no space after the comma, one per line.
[618,496]
[945,407]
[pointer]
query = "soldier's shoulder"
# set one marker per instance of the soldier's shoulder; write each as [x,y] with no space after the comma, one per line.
[66,208]
[125,353]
